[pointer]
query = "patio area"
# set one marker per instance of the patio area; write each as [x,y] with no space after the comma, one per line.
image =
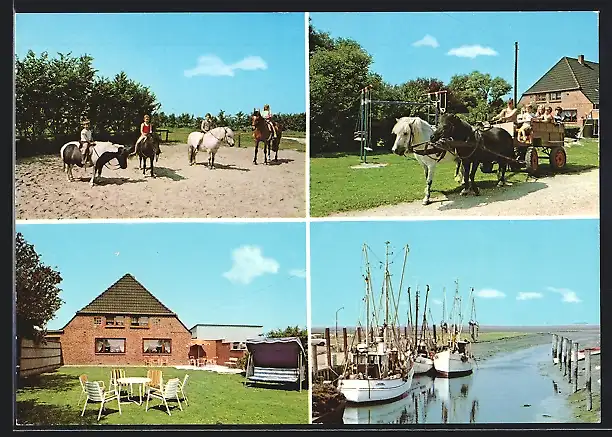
[216,395]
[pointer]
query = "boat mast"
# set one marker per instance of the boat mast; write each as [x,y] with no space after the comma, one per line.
[386,325]
[416,322]
[367,296]
[424,324]
[442,327]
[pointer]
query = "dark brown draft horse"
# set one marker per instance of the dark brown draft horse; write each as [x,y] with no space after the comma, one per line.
[263,134]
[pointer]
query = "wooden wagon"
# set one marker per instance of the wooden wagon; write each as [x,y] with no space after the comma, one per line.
[547,142]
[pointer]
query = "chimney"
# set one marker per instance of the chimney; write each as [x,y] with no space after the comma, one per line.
[581,59]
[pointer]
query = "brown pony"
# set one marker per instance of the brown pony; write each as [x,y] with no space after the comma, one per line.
[262,133]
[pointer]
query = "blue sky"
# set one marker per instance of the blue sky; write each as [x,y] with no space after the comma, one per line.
[407,45]
[226,273]
[197,62]
[525,272]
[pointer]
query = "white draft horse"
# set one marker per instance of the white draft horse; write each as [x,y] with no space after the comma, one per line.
[412,132]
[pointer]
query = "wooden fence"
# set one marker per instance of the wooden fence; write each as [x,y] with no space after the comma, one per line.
[35,359]
[565,356]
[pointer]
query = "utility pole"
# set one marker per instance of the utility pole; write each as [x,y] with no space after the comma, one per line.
[515,72]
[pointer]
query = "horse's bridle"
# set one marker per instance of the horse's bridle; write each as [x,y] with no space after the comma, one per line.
[424,152]
[224,139]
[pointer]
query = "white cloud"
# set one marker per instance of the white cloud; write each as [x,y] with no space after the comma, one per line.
[472,51]
[426,41]
[212,65]
[298,273]
[437,301]
[488,293]
[528,295]
[568,295]
[249,263]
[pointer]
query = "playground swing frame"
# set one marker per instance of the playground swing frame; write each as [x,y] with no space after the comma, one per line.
[364,132]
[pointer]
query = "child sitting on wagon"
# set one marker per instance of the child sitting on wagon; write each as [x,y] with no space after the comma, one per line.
[525,117]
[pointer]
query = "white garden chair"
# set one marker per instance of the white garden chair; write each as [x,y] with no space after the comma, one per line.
[170,390]
[83,379]
[182,387]
[95,393]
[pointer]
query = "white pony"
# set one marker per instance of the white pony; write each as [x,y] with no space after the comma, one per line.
[412,132]
[211,141]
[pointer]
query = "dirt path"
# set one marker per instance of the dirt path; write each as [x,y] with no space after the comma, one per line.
[568,195]
[235,188]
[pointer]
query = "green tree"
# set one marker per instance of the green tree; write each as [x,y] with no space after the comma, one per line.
[477,95]
[37,292]
[338,71]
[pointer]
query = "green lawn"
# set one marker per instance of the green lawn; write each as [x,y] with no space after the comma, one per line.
[51,399]
[179,136]
[336,187]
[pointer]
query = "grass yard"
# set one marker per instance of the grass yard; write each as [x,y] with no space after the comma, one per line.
[52,399]
[179,136]
[336,187]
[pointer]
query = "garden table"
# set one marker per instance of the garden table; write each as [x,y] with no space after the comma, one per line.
[131,380]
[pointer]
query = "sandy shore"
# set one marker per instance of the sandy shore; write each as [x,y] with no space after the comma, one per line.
[235,188]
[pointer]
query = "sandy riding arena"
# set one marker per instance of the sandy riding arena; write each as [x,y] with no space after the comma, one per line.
[567,195]
[234,188]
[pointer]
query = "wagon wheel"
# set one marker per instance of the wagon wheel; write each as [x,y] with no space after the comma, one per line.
[532,160]
[558,158]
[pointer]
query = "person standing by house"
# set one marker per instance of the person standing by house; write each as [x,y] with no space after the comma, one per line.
[509,113]
[86,142]
[558,115]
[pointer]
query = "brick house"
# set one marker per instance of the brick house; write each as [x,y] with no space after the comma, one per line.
[125,325]
[572,84]
[217,343]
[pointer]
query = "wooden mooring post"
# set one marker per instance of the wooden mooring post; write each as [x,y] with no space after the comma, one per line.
[345,344]
[570,360]
[575,360]
[555,340]
[328,348]
[358,334]
[565,354]
[587,361]
[560,358]
[315,362]
[558,349]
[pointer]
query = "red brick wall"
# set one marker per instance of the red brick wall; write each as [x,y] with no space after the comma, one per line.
[569,100]
[78,342]
[224,353]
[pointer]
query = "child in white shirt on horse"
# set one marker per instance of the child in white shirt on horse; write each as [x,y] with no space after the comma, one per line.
[267,115]
[86,142]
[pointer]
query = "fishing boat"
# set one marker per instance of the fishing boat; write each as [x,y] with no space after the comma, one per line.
[378,370]
[423,347]
[455,358]
[594,351]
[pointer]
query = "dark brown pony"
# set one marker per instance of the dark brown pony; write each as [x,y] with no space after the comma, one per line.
[262,133]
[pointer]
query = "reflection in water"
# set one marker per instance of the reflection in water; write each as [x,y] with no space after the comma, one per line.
[473,412]
[511,381]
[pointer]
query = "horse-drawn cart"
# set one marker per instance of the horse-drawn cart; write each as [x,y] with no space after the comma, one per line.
[547,138]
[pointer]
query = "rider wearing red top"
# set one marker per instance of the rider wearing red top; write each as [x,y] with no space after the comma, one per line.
[145,130]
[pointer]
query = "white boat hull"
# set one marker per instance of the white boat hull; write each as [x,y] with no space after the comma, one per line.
[423,365]
[374,390]
[450,365]
[582,354]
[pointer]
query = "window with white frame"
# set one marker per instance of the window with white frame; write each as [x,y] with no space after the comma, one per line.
[115,321]
[97,320]
[555,97]
[238,346]
[139,321]
[110,345]
[540,97]
[156,345]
